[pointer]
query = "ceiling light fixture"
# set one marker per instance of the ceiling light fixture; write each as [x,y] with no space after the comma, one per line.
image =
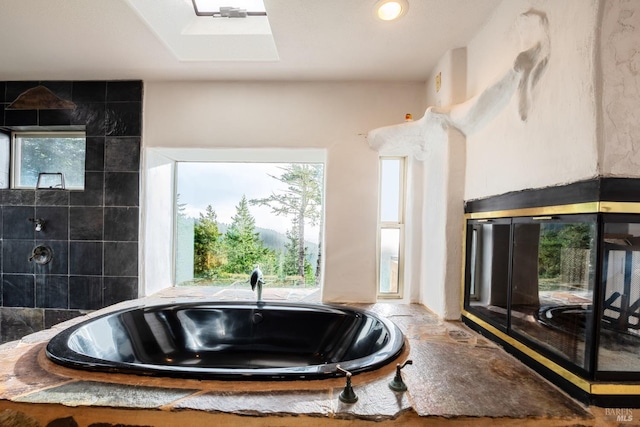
[389,10]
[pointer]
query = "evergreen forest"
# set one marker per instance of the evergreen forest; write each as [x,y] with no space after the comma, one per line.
[227,253]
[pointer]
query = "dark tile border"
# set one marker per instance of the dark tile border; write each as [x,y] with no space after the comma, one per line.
[594,190]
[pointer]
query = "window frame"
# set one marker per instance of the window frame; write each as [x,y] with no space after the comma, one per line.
[392,225]
[16,156]
[260,156]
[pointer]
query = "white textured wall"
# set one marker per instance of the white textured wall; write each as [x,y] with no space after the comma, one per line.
[452,69]
[157,225]
[332,116]
[558,142]
[414,234]
[620,59]
[443,188]
[513,141]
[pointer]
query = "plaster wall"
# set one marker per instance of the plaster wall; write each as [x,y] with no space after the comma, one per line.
[334,117]
[442,187]
[442,223]
[414,235]
[157,266]
[447,83]
[620,62]
[557,143]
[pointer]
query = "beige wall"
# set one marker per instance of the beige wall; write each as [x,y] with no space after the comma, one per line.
[334,117]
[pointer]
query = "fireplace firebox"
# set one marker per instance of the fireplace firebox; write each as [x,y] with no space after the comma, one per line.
[554,276]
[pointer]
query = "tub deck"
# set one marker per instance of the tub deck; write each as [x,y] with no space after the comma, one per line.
[457,378]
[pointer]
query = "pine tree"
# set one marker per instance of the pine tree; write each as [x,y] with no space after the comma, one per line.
[302,201]
[290,266]
[207,245]
[243,245]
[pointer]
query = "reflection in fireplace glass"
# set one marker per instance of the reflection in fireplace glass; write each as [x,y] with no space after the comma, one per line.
[552,293]
[620,322]
[489,271]
[559,286]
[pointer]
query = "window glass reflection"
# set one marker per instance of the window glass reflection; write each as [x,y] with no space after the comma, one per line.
[489,272]
[389,260]
[390,189]
[619,348]
[552,285]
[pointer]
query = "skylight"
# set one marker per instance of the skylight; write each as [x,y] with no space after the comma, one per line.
[229,8]
[203,38]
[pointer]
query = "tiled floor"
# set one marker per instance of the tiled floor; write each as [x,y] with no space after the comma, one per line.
[457,378]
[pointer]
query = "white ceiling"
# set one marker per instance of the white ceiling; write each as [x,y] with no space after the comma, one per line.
[315,40]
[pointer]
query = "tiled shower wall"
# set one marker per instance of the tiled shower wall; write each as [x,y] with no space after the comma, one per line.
[93,233]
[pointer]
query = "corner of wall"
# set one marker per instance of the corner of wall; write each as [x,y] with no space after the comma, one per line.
[617,83]
[447,83]
[458,75]
[157,224]
[444,180]
[598,89]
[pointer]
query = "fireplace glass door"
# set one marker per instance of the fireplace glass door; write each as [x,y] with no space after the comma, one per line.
[619,338]
[533,278]
[554,261]
[488,244]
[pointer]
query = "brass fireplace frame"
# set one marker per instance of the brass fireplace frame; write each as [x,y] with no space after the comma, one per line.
[603,393]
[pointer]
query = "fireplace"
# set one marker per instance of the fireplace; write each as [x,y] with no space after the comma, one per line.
[554,276]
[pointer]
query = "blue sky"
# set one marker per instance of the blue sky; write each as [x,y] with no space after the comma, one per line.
[222,185]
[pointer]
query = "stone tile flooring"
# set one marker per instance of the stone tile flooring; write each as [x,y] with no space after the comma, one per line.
[457,378]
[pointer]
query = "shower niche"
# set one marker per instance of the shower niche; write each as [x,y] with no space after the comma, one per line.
[558,284]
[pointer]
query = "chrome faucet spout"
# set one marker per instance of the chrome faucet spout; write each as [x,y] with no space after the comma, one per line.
[257,280]
[39,223]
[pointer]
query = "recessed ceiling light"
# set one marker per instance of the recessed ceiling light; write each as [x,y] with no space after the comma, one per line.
[388,10]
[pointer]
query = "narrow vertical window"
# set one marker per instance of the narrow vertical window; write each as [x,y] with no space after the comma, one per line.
[391,227]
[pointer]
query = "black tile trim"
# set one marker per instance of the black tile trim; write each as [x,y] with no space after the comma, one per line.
[594,190]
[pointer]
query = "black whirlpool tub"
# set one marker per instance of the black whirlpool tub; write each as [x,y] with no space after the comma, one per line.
[230,340]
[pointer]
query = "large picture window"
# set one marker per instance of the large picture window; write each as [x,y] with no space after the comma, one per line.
[233,216]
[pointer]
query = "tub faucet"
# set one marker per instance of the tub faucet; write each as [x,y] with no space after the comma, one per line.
[257,280]
[397,384]
[347,395]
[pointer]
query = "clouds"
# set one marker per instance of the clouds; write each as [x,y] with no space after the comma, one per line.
[222,185]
